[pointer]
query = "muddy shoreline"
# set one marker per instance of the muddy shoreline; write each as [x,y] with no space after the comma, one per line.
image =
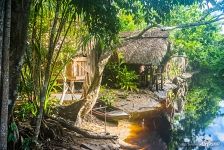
[147,109]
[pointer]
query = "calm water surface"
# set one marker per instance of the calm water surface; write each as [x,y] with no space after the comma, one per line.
[199,126]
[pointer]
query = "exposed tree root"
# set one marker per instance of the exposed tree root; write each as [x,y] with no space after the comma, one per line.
[125,145]
[55,134]
[51,129]
[70,112]
[70,125]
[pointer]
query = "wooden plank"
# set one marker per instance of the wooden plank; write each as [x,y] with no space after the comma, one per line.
[82,68]
[80,59]
[82,78]
[77,69]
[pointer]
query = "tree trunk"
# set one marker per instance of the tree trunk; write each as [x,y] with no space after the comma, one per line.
[91,94]
[47,72]
[2,12]
[19,26]
[5,77]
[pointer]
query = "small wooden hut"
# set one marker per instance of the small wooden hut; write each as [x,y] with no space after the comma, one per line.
[80,69]
[148,52]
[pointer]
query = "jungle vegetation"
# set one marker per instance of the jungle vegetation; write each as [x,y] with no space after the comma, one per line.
[37,39]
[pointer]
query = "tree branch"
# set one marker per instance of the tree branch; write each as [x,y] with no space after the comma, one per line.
[141,33]
[217,7]
[195,24]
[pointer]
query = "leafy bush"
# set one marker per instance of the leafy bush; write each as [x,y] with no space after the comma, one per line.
[26,144]
[30,109]
[27,110]
[12,132]
[107,96]
[50,105]
[126,79]
[117,75]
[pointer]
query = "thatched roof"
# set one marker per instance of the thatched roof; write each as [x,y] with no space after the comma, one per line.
[149,49]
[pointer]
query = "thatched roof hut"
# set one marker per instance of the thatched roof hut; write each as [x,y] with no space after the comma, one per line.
[149,49]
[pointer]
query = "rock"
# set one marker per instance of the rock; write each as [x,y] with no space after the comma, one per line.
[169,86]
[178,105]
[186,75]
[175,106]
[161,94]
[178,80]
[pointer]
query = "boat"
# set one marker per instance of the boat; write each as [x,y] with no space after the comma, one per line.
[112,113]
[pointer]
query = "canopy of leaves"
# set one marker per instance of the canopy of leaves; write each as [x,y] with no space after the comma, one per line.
[100,17]
[154,11]
[202,44]
[128,23]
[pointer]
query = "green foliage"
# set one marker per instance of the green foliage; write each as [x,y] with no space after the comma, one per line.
[171,96]
[126,79]
[66,41]
[50,105]
[26,144]
[107,96]
[29,109]
[129,23]
[12,132]
[117,75]
[202,44]
[26,110]
[174,70]
[29,92]
[100,17]
[153,11]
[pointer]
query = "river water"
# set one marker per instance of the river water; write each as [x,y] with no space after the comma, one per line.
[200,125]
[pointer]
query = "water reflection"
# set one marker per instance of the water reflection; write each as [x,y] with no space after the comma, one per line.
[151,134]
[201,124]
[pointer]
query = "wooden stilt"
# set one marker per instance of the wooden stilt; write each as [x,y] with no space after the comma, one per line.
[65,89]
[105,120]
[161,78]
[146,75]
[157,84]
[151,77]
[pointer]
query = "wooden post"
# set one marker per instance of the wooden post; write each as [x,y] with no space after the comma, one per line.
[91,112]
[105,119]
[65,89]
[146,75]
[141,76]
[161,71]
[151,76]
[157,84]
